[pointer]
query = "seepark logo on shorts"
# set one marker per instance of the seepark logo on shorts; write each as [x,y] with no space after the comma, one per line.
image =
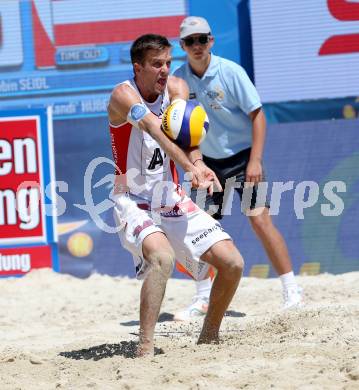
[207,232]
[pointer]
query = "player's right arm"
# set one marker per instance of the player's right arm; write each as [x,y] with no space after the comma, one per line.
[121,104]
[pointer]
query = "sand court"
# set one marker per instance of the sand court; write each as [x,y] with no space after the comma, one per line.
[60,332]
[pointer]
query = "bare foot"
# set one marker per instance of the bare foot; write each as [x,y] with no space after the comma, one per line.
[145,349]
[208,338]
[209,334]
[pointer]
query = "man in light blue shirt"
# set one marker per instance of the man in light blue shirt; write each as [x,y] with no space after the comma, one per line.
[233,148]
[228,96]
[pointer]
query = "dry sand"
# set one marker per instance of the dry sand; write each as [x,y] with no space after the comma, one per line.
[59,332]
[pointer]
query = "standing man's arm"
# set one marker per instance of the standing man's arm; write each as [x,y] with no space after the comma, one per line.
[254,171]
[248,100]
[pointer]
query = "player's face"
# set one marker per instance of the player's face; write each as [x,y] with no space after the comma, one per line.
[197,46]
[154,71]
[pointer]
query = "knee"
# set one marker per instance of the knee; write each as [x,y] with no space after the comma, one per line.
[233,267]
[260,223]
[162,262]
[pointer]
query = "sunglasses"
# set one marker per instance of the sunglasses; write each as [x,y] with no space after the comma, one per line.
[202,40]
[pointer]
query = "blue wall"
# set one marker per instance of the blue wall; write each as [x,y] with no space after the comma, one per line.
[230,23]
[319,151]
[223,19]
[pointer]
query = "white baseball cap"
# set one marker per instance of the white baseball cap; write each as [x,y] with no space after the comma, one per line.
[194,25]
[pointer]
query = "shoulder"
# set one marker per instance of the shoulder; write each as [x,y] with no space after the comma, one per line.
[122,92]
[123,96]
[177,88]
[234,75]
[231,68]
[180,72]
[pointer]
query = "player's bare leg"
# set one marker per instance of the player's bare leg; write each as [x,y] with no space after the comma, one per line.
[158,252]
[225,257]
[272,240]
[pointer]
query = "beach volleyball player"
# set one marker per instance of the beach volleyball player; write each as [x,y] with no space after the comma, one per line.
[158,232]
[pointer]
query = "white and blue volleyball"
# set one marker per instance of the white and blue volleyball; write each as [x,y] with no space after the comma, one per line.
[185,122]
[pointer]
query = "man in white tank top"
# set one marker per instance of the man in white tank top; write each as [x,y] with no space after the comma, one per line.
[160,223]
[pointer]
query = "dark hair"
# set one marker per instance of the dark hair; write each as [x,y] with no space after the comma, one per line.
[147,42]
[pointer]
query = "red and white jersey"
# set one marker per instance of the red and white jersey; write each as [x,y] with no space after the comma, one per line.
[143,167]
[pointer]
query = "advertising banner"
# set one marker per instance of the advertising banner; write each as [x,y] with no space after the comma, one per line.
[21,260]
[70,53]
[27,192]
[305,49]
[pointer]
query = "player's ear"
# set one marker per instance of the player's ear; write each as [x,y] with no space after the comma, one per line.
[136,67]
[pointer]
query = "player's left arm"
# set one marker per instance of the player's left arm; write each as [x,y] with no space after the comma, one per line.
[254,172]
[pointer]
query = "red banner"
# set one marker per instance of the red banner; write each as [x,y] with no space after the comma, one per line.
[21,214]
[20,261]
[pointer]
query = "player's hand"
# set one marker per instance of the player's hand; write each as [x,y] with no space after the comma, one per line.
[254,172]
[205,178]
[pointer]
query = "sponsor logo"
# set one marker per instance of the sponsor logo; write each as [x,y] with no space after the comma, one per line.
[344,11]
[180,209]
[137,112]
[326,49]
[21,179]
[217,94]
[138,229]
[15,262]
[175,212]
[207,232]
[21,260]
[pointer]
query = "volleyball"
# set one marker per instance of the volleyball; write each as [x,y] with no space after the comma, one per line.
[185,122]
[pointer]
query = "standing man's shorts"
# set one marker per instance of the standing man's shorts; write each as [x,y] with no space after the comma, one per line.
[231,172]
[190,231]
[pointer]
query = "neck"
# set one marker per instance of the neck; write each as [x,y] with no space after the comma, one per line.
[147,95]
[199,67]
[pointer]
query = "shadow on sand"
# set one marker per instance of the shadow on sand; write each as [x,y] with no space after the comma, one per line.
[165,317]
[126,349]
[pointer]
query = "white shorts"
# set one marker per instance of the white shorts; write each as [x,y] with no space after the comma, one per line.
[190,231]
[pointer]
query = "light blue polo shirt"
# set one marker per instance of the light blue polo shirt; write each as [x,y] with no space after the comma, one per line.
[228,96]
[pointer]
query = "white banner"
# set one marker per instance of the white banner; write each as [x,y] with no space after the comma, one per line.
[305,49]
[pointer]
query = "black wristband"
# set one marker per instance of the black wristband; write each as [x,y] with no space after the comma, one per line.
[198,159]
